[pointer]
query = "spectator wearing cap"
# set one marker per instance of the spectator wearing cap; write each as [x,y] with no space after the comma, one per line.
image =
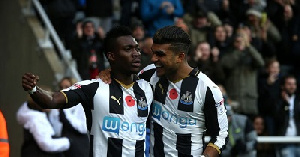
[261,26]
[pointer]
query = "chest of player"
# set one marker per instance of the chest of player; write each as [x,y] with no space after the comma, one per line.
[178,106]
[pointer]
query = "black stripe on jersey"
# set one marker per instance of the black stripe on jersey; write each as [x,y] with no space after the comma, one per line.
[161,90]
[114,148]
[187,92]
[158,148]
[139,148]
[115,98]
[86,94]
[142,105]
[210,114]
[89,118]
[184,145]
[146,75]
[91,146]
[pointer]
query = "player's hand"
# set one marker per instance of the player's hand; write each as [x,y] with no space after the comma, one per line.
[105,76]
[29,81]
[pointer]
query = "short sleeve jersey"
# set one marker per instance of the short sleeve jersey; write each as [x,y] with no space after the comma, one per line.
[116,116]
[182,112]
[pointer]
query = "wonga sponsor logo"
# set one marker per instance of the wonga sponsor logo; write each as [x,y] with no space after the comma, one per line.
[183,122]
[112,124]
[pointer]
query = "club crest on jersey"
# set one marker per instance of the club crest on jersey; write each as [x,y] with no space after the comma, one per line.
[187,98]
[142,105]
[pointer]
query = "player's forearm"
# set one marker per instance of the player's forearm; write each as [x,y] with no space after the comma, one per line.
[210,152]
[48,100]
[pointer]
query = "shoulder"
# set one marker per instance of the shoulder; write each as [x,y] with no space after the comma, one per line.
[148,72]
[94,82]
[205,83]
[144,85]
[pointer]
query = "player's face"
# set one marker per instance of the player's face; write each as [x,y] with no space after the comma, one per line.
[164,60]
[128,56]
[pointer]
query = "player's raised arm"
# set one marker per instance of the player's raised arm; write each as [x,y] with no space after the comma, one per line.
[44,99]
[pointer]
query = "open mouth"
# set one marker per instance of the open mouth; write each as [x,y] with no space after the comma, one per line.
[158,66]
[136,63]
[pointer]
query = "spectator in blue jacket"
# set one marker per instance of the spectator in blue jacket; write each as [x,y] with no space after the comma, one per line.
[159,13]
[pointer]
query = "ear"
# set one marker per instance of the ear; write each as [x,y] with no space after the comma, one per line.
[110,56]
[181,57]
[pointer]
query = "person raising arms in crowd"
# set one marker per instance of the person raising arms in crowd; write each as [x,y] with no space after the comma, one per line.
[116,113]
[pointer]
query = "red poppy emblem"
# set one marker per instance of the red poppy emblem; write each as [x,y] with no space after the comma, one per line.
[130,101]
[173,94]
[77,85]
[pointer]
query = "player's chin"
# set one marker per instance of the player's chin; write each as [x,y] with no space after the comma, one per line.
[135,70]
[160,72]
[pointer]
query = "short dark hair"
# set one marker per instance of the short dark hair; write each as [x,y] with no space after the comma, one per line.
[180,41]
[112,35]
[285,77]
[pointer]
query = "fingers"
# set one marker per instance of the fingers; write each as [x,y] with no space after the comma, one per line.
[29,81]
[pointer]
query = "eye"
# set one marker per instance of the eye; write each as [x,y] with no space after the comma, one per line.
[138,49]
[127,48]
[159,53]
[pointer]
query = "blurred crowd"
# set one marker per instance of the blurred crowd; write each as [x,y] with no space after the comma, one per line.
[250,48]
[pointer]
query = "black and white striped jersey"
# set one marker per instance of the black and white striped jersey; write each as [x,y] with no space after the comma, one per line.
[182,112]
[116,116]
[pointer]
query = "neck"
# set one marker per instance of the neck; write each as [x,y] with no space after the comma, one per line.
[125,79]
[182,72]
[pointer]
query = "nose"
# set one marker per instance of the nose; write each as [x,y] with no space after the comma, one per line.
[136,53]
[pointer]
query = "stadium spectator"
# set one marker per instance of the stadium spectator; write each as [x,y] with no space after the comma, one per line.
[41,137]
[207,60]
[263,149]
[4,143]
[241,136]
[288,116]
[268,93]
[159,13]
[220,40]
[241,65]
[87,50]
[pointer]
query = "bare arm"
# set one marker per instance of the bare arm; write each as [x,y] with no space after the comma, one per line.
[210,152]
[44,99]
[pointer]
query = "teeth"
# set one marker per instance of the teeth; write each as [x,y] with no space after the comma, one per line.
[158,66]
